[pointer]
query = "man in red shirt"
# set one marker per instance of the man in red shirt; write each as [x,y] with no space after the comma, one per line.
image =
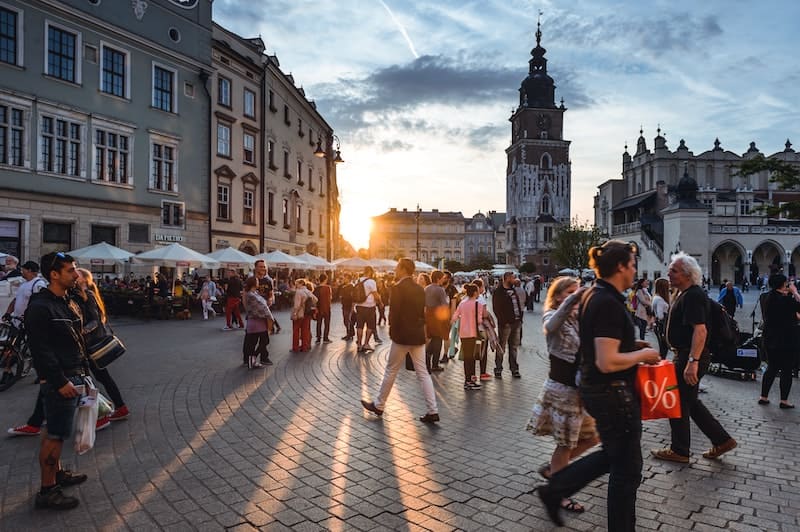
[324,295]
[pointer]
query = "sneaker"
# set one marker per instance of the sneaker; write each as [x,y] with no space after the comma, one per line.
[366,348]
[119,414]
[266,362]
[719,450]
[55,500]
[486,377]
[24,430]
[516,375]
[437,368]
[475,385]
[498,374]
[65,478]
[429,418]
[359,349]
[370,406]
[257,365]
[326,341]
[378,341]
[669,455]
[444,360]
[318,341]
[102,423]
[226,328]
[347,337]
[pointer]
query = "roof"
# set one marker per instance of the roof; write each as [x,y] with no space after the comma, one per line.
[546,219]
[634,201]
[423,215]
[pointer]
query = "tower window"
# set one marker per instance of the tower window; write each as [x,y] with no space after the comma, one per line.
[546,162]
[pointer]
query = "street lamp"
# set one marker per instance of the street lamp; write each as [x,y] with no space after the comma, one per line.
[337,154]
[417,218]
[333,157]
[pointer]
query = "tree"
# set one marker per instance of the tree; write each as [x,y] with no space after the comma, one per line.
[572,243]
[454,266]
[481,261]
[527,267]
[785,174]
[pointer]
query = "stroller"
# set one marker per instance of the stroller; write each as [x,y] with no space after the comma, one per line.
[740,363]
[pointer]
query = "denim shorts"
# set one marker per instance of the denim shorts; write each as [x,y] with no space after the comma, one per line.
[59,411]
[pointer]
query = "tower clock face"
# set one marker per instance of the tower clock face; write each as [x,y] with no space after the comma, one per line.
[543,121]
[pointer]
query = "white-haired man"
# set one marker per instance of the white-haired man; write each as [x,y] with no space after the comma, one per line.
[687,334]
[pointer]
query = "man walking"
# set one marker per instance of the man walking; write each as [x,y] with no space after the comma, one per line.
[437,319]
[508,306]
[365,309]
[324,296]
[348,311]
[407,332]
[54,329]
[730,297]
[233,298]
[687,334]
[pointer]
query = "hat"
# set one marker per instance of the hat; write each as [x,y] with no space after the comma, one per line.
[31,266]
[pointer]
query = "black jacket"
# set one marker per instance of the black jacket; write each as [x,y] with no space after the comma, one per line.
[54,328]
[407,313]
[503,307]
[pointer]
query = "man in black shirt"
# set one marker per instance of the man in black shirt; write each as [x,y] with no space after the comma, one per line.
[610,354]
[508,304]
[687,334]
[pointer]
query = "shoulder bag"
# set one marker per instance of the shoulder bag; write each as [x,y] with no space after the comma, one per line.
[107,349]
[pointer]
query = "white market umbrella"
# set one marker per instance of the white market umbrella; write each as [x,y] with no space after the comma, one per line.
[233,258]
[177,256]
[568,271]
[101,254]
[383,265]
[279,259]
[314,262]
[423,266]
[353,263]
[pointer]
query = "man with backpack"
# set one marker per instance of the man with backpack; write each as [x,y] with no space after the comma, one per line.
[689,328]
[365,297]
[730,297]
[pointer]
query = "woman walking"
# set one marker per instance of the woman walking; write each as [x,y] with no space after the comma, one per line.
[87,297]
[559,411]
[644,306]
[779,308]
[470,312]
[304,303]
[208,296]
[661,310]
[256,337]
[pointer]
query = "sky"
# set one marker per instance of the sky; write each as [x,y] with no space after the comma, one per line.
[420,92]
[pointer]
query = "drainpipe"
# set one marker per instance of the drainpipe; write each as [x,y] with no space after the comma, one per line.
[204,77]
[262,159]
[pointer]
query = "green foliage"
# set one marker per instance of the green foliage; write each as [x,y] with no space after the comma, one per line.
[454,266]
[527,267]
[481,261]
[572,243]
[785,174]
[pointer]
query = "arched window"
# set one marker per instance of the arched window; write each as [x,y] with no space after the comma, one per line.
[546,205]
[546,162]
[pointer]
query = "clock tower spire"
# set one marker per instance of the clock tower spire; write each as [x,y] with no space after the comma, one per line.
[538,175]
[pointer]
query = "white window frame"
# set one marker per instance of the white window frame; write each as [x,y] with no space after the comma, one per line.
[70,116]
[127,88]
[172,142]
[20,59]
[220,139]
[183,214]
[25,105]
[248,203]
[117,129]
[224,198]
[174,86]
[244,103]
[78,50]
[220,80]
[251,149]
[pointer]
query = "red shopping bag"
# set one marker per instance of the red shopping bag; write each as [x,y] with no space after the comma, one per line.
[658,390]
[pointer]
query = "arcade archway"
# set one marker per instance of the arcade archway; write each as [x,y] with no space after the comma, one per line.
[727,262]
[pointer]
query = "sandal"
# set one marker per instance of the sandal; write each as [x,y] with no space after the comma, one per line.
[570,505]
[544,471]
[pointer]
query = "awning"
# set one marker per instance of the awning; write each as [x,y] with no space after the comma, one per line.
[634,201]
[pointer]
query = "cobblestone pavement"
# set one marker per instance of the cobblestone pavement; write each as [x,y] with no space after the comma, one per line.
[211,445]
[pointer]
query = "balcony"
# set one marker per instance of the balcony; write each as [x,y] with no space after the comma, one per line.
[626,229]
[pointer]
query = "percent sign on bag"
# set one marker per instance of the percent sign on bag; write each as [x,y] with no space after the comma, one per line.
[658,390]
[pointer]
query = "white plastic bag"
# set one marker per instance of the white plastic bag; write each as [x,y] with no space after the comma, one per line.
[104,406]
[86,419]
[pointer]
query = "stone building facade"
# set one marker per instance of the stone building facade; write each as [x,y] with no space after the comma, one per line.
[724,229]
[538,173]
[484,234]
[441,235]
[103,124]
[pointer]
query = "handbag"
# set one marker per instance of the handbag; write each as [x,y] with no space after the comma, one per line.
[107,350]
[657,385]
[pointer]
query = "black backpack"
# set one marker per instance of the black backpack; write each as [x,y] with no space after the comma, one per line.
[723,331]
[359,293]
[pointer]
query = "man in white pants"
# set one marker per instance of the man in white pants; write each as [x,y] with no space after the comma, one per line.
[407,331]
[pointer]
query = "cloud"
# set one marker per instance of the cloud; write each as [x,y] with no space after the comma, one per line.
[395,145]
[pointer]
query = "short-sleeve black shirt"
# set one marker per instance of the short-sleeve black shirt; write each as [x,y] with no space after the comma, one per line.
[604,316]
[689,309]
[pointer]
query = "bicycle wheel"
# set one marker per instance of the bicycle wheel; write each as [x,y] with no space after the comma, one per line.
[12,361]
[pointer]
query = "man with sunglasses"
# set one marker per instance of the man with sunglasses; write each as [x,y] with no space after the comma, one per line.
[54,327]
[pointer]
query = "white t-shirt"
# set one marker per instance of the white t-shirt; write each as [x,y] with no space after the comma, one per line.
[24,293]
[369,286]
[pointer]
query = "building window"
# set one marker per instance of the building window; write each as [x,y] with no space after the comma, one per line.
[285,208]
[546,205]
[172,214]
[10,38]
[61,146]
[300,173]
[286,115]
[12,135]
[57,233]
[223,202]
[223,140]
[163,174]
[139,233]
[286,173]
[249,148]
[709,204]
[548,235]
[111,157]
[271,154]
[114,73]
[104,233]
[224,91]
[298,215]
[320,226]
[744,207]
[300,131]
[272,102]
[310,179]
[546,162]
[164,89]
[271,208]
[247,216]
[62,50]
[249,103]
[321,188]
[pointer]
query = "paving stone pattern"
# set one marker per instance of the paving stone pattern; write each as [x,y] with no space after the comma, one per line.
[211,445]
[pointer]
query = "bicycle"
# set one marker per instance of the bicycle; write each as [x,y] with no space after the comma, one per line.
[16,360]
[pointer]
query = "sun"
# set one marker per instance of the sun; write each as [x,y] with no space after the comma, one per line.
[355,225]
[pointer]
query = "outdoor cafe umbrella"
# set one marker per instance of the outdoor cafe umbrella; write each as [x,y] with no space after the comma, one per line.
[353,263]
[313,262]
[176,256]
[279,259]
[423,267]
[101,254]
[233,258]
[383,265]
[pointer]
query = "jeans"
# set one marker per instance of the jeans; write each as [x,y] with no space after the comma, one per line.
[511,335]
[617,412]
[349,318]
[778,360]
[326,320]
[396,361]
[59,411]
[432,351]
[692,407]
[468,348]
[256,344]
[642,324]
